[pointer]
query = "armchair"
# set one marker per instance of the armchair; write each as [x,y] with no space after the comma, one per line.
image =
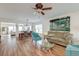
[39,41]
[72,50]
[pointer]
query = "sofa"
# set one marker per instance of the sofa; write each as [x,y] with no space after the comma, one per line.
[59,37]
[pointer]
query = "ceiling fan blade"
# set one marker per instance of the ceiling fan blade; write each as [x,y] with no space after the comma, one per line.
[42,13]
[48,8]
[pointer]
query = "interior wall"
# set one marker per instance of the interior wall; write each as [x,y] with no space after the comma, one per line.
[0,28]
[46,25]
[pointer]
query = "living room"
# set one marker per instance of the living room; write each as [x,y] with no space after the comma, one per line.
[49,29]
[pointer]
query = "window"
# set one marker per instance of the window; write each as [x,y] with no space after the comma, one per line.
[38,28]
[11,29]
[20,28]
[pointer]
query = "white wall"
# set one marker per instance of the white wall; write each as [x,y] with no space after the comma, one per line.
[0,28]
[46,25]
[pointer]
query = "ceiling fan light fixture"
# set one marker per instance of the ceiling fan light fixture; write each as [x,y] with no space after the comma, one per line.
[39,10]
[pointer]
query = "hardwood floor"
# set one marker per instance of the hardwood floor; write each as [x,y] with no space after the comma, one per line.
[10,46]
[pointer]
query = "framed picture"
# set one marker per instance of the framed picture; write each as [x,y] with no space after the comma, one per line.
[60,24]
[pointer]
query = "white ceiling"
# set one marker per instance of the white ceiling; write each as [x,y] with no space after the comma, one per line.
[19,12]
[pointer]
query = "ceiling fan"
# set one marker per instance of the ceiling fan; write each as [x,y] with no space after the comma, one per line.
[40,8]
